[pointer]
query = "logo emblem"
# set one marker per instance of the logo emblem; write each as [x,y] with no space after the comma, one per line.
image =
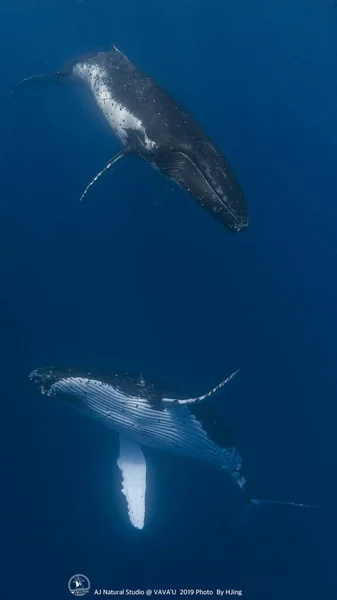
[79,585]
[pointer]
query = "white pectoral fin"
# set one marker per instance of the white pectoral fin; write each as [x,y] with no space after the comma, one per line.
[108,166]
[132,464]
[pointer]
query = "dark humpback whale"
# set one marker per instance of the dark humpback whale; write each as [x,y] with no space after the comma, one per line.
[149,413]
[151,125]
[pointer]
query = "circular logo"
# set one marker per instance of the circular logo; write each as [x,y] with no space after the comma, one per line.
[79,585]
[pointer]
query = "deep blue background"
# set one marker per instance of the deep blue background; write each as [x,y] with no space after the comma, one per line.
[140,277]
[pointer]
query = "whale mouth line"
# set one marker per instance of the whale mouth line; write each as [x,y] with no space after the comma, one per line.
[237,222]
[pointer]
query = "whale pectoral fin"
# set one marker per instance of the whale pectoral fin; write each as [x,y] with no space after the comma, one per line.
[109,164]
[204,396]
[265,501]
[41,78]
[255,496]
[132,464]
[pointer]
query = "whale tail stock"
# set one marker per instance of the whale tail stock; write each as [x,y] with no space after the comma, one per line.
[59,77]
[253,496]
[42,78]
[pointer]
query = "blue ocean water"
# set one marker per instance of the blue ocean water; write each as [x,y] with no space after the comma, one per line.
[140,277]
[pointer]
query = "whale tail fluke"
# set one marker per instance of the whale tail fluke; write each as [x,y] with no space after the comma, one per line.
[43,78]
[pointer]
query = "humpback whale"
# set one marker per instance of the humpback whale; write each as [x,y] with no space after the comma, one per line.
[153,126]
[154,414]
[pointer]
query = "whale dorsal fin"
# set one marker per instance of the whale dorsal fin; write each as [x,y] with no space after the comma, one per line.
[115,49]
[204,396]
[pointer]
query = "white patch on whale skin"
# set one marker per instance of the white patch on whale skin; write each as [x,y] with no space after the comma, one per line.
[119,118]
[172,429]
[132,465]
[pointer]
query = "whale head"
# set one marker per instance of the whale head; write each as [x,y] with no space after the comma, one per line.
[202,170]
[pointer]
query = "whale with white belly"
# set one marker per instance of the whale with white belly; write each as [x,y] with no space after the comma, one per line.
[153,126]
[148,413]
